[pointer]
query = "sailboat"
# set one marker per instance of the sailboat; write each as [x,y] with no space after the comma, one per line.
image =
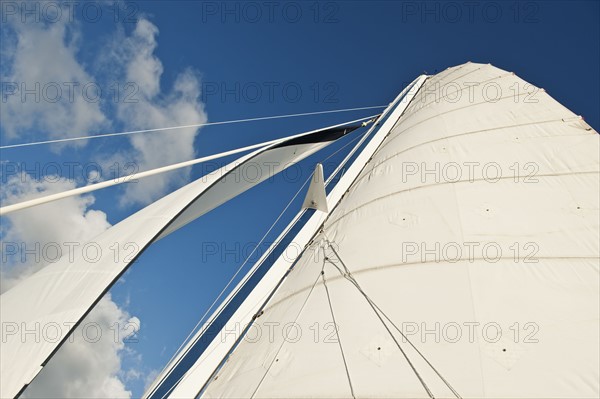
[453,253]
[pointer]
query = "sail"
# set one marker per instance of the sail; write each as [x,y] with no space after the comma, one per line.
[462,262]
[60,295]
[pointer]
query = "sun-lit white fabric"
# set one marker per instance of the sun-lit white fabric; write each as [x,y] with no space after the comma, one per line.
[491,273]
[57,297]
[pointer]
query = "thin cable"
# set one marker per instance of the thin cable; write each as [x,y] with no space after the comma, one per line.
[336,329]
[347,275]
[419,352]
[134,176]
[353,280]
[160,129]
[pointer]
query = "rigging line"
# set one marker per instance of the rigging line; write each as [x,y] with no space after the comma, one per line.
[134,176]
[248,258]
[400,331]
[347,275]
[384,113]
[355,282]
[283,341]
[336,328]
[419,352]
[160,129]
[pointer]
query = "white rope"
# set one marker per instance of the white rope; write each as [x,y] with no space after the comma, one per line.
[134,176]
[160,129]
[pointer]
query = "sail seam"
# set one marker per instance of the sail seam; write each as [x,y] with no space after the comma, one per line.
[457,135]
[438,79]
[438,100]
[449,112]
[452,182]
[391,265]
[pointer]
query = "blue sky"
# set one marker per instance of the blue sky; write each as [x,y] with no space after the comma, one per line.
[235,60]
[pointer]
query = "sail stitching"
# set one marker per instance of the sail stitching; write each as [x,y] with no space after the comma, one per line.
[451,111]
[454,136]
[438,100]
[452,182]
[435,79]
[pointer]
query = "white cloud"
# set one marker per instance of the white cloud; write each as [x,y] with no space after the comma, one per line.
[90,365]
[180,107]
[82,368]
[42,58]
[60,222]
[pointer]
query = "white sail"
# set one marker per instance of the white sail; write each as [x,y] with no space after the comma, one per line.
[60,295]
[462,262]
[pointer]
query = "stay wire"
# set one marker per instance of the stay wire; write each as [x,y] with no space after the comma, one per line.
[196,125]
[353,280]
[335,326]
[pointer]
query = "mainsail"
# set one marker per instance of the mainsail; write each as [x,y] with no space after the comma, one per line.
[463,261]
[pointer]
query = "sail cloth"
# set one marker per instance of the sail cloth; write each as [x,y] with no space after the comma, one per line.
[62,293]
[463,261]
